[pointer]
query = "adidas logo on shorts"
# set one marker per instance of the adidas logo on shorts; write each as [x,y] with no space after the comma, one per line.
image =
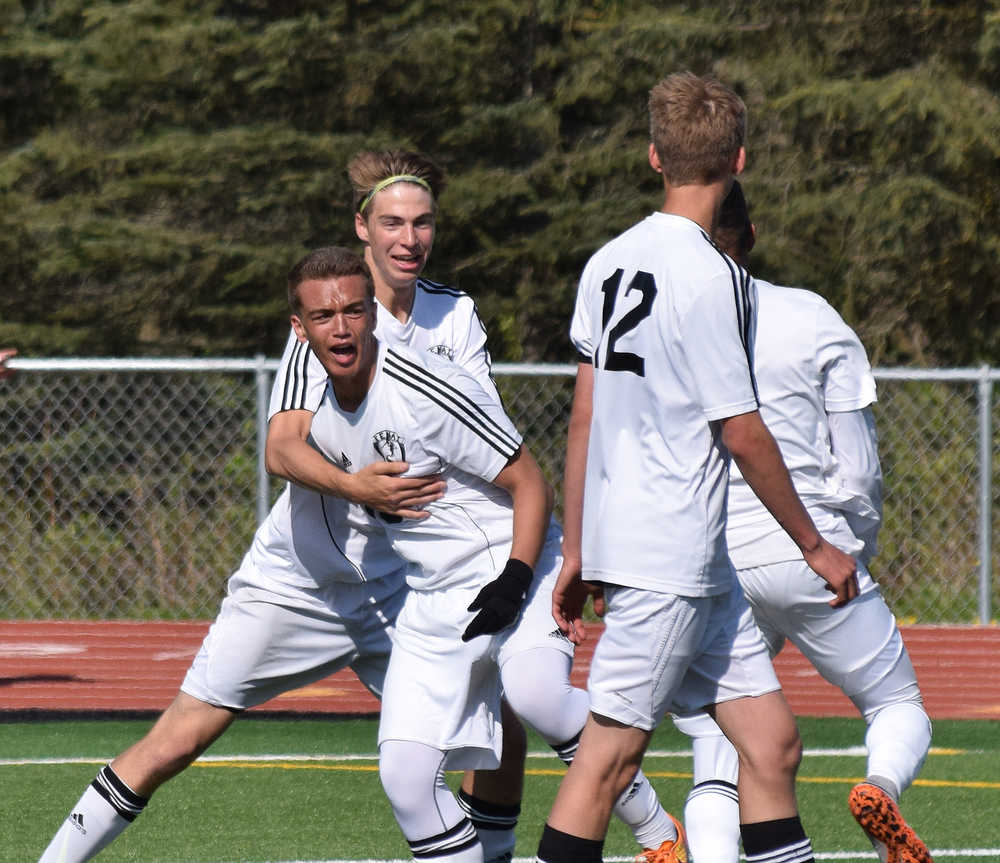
[76,819]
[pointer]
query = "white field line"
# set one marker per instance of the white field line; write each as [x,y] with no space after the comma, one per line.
[846,752]
[953,853]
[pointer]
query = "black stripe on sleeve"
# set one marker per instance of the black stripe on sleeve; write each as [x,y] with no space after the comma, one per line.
[293,396]
[744,308]
[452,400]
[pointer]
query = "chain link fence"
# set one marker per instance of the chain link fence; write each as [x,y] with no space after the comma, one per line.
[132,488]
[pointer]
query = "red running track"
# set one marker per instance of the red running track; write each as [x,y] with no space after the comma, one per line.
[98,667]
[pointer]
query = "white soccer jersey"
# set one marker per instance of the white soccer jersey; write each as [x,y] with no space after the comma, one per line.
[665,318]
[808,363]
[443,321]
[309,539]
[435,415]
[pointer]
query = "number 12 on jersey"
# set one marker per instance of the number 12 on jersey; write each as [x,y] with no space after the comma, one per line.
[624,361]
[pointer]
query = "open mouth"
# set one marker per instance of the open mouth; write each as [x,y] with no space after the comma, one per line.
[408,262]
[344,355]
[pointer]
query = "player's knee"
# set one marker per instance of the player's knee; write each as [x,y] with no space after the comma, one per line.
[777,753]
[403,778]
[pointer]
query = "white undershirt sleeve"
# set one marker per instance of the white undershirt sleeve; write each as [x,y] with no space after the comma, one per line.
[854,441]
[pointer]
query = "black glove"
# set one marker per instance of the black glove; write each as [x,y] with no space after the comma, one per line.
[499,602]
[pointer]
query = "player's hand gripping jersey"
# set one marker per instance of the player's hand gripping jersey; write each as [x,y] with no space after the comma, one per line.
[665,318]
[432,413]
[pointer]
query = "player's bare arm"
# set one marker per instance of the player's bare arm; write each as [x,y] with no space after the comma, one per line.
[575,465]
[755,452]
[288,455]
[6,354]
[571,590]
[532,499]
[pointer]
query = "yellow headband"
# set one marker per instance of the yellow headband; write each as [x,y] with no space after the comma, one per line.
[388,181]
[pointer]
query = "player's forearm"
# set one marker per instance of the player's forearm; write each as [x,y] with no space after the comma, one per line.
[531,521]
[296,461]
[575,465]
[757,455]
[532,500]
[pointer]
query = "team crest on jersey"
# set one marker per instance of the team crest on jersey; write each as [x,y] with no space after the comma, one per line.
[442,351]
[389,445]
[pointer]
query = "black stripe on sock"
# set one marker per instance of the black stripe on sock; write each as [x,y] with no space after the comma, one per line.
[763,836]
[486,815]
[558,847]
[120,797]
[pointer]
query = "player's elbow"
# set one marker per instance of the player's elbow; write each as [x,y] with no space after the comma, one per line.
[273,461]
[743,435]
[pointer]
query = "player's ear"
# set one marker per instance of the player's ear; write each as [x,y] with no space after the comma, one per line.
[739,161]
[361,227]
[654,159]
[300,331]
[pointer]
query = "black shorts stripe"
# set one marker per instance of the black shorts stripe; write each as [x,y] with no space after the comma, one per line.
[452,400]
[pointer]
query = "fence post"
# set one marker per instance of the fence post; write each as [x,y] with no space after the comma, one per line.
[263,396]
[985,493]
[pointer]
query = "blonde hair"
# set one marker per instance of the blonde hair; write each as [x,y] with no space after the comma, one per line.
[697,126]
[371,167]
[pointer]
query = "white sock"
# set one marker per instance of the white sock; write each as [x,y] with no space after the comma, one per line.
[642,813]
[106,808]
[898,739]
[712,822]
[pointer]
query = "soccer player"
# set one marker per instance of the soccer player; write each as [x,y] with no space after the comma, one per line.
[665,397]
[815,388]
[395,197]
[441,699]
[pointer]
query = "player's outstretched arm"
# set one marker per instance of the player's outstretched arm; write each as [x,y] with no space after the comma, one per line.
[759,459]
[6,354]
[288,455]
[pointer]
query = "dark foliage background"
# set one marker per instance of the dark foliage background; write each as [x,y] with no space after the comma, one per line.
[163,162]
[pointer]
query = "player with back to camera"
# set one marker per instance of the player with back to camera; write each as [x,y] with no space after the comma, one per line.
[816,390]
[395,197]
[664,397]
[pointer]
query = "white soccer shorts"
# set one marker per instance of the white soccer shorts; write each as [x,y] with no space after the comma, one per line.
[440,691]
[857,648]
[663,652]
[263,643]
